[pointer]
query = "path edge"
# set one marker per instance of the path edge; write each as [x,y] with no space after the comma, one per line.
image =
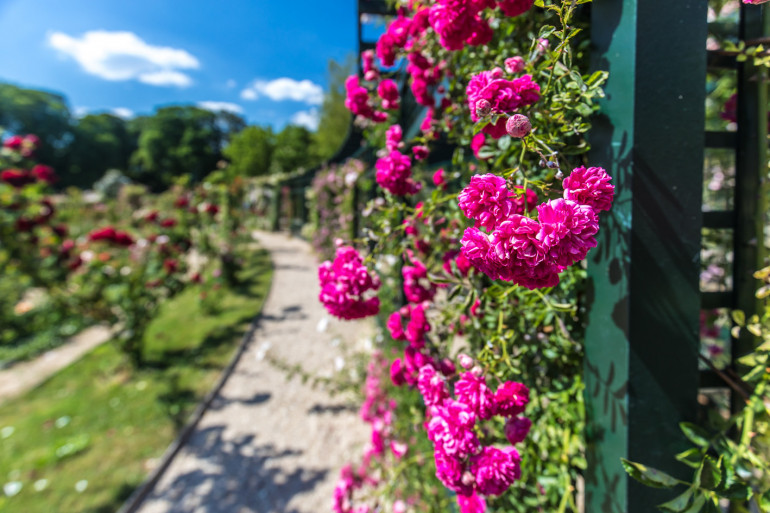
[135,500]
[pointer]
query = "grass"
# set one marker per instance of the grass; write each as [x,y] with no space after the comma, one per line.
[87,437]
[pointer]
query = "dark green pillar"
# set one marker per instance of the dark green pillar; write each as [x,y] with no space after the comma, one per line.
[641,368]
[750,170]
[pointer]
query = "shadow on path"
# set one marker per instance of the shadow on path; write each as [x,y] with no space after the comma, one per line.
[238,475]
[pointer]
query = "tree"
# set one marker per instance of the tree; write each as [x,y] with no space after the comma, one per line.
[250,151]
[45,114]
[101,142]
[176,141]
[293,149]
[334,120]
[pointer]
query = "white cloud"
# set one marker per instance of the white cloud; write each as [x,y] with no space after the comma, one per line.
[120,56]
[249,94]
[123,112]
[285,89]
[80,112]
[165,77]
[218,106]
[307,118]
[230,84]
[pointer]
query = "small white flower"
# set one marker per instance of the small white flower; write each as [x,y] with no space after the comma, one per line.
[40,485]
[62,421]
[262,351]
[339,363]
[11,488]
[7,431]
[323,324]
[81,486]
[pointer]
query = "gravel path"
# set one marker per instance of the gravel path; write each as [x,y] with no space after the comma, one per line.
[268,444]
[24,376]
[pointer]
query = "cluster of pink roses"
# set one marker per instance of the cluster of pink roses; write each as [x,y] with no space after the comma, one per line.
[417,286]
[532,252]
[25,145]
[394,169]
[489,93]
[345,284]
[463,464]
[358,102]
[111,235]
[377,410]
[459,22]
[394,174]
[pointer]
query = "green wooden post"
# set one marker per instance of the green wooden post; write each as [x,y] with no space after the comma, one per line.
[641,349]
[750,169]
[275,208]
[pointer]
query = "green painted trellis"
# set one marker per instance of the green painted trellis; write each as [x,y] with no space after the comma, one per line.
[642,340]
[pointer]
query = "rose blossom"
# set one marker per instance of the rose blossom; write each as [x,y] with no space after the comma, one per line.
[394,174]
[472,391]
[514,65]
[486,200]
[589,187]
[517,429]
[567,231]
[511,398]
[344,283]
[496,469]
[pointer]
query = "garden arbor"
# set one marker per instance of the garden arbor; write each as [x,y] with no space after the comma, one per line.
[642,341]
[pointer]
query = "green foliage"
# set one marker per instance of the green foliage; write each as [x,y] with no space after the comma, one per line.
[250,151]
[334,121]
[101,142]
[293,150]
[176,141]
[45,114]
[731,454]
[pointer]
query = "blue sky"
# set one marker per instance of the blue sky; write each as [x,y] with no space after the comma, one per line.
[265,59]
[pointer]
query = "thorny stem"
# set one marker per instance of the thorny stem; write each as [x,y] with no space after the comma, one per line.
[727,379]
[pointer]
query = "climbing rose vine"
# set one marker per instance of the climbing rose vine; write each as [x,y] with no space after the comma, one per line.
[477,373]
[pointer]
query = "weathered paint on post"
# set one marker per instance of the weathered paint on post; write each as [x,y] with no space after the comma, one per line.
[643,302]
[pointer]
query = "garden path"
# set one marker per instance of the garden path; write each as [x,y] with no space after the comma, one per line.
[24,376]
[268,444]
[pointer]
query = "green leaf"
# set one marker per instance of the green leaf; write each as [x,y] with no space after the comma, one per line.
[691,457]
[727,477]
[695,434]
[696,505]
[679,503]
[738,491]
[486,152]
[764,501]
[648,476]
[583,109]
[738,317]
[750,360]
[709,474]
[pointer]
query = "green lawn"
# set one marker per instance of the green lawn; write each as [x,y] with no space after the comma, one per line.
[86,438]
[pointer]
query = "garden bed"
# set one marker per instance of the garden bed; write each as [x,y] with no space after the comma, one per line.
[86,438]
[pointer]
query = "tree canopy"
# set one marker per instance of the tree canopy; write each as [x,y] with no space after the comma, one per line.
[45,114]
[250,151]
[334,120]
